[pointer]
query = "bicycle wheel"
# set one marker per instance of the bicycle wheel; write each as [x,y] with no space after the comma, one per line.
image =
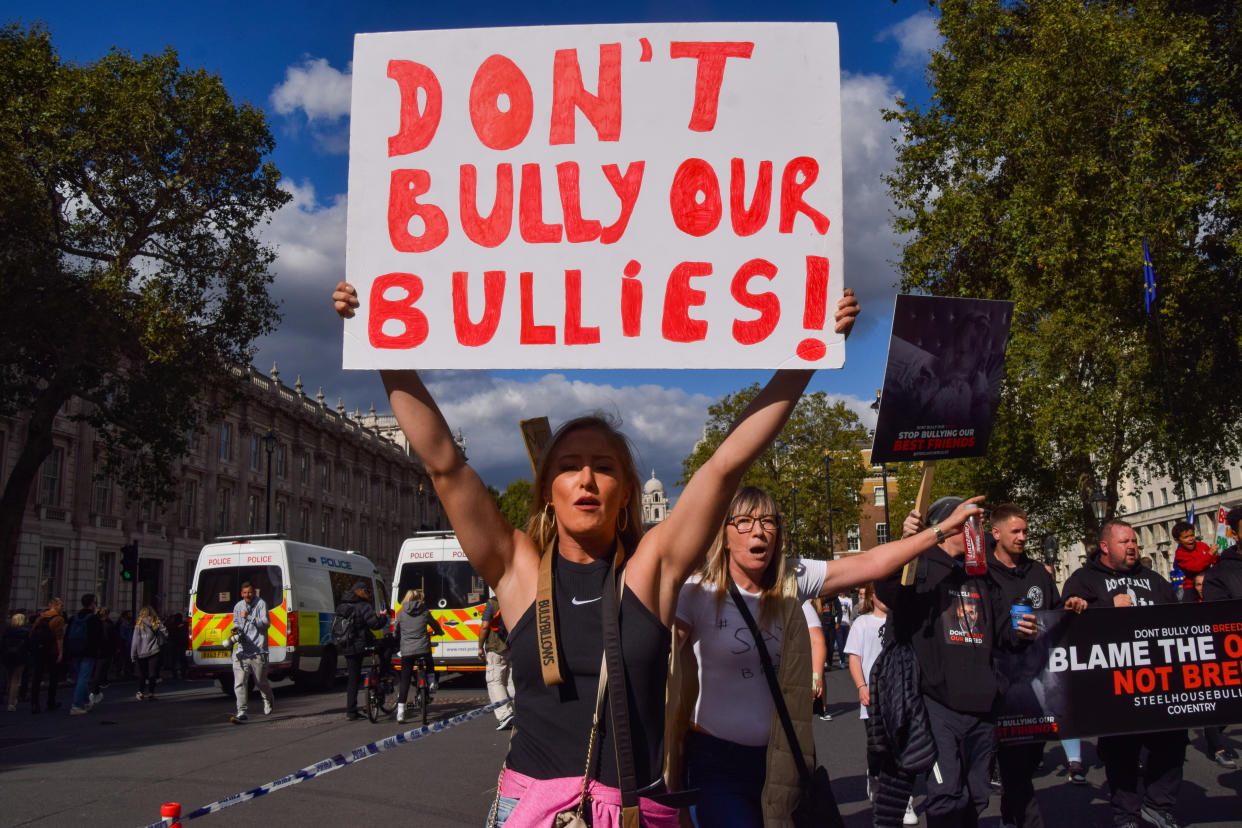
[373,703]
[387,695]
[424,697]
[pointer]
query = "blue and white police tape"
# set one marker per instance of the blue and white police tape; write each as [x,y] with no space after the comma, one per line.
[336,762]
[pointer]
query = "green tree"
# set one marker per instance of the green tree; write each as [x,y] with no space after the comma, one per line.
[131,191]
[1059,134]
[793,468]
[515,502]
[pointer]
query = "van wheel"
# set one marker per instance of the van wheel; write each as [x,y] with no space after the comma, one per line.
[327,669]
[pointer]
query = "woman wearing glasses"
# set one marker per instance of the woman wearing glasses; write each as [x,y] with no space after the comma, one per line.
[735,750]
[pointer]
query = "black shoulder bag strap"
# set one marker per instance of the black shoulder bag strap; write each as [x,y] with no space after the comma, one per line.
[778,698]
[618,707]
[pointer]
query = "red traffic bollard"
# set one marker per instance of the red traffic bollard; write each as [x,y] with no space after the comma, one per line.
[170,812]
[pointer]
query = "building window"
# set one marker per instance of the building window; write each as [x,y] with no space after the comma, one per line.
[342,481]
[226,441]
[282,461]
[256,450]
[325,526]
[879,494]
[252,513]
[50,479]
[1151,500]
[344,533]
[325,475]
[1138,503]
[1164,497]
[304,524]
[189,504]
[103,496]
[104,569]
[222,511]
[50,567]
[304,468]
[881,533]
[853,543]
[281,517]
[362,537]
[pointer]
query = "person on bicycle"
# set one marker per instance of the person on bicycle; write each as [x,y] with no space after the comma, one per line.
[411,630]
[356,604]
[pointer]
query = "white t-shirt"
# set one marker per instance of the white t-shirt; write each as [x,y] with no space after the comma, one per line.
[847,609]
[865,640]
[734,701]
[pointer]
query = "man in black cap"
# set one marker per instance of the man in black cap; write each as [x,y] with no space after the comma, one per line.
[954,621]
[359,617]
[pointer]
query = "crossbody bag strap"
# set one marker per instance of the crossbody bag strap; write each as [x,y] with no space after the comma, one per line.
[777,697]
[619,707]
[545,615]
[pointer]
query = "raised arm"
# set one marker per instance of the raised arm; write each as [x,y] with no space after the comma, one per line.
[675,547]
[883,560]
[486,538]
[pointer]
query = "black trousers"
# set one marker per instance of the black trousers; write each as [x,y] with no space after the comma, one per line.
[959,783]
[407,673]
[41,667]
[353,667]
[1162,771]
[1017,765]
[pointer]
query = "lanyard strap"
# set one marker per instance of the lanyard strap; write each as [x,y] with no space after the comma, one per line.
[545,615]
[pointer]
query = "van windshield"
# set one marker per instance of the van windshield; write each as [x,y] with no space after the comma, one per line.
[219,589]
[447,584]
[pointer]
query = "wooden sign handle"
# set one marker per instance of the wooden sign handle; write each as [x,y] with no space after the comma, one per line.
[536,433]
[920,504]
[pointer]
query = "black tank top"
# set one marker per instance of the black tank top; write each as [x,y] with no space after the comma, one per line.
[554,723]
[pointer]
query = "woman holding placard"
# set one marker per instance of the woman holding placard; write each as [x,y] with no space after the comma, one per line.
[585,534]
[752,690]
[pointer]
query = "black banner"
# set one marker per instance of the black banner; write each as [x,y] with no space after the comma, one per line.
[1124,670]
[946,359]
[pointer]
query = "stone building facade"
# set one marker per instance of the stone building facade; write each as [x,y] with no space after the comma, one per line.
[336,481]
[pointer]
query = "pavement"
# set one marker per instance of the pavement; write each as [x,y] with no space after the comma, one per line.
[116,765]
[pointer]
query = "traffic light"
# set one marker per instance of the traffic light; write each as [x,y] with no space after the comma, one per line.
[129,562]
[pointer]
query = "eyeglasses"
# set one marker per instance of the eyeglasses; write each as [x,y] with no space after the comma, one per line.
[744,523]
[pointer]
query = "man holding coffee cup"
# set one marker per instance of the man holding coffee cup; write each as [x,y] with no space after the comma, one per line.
[1026,586]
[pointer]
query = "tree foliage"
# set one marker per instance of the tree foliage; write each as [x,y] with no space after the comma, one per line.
[1059,135]
[131,192]
[793,469]
[514,503]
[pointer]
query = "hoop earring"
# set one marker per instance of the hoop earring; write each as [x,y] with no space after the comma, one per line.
[625,520]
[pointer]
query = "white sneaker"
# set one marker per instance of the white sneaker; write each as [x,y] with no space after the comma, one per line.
[267,708]
[505,723]
[911,818]
[77,711]
[12,708]
[401,713]
[96,698]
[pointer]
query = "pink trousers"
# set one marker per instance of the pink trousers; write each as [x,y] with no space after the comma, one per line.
[540,800]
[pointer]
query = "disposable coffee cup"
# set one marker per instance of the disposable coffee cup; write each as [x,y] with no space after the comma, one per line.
[1016,611]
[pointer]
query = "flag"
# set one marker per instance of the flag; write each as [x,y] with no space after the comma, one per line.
[1149,277]
[1222,539]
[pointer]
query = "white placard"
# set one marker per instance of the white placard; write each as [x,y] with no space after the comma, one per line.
[646,195]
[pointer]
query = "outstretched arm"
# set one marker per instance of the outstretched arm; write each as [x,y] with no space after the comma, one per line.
[679,544]
[485,536]
[887,558]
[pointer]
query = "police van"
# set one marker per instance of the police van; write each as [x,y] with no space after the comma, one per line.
[454,593]
[301,585]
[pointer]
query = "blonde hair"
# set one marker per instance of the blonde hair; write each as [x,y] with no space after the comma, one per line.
[412,595]
[541,525]
[18,620]
[148,614]
[778,579]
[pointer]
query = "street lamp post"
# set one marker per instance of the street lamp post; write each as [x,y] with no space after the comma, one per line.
[793,534]
[1099,503]
[269,445]
[828,491]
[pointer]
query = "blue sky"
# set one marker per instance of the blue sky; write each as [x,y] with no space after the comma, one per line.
[293,60]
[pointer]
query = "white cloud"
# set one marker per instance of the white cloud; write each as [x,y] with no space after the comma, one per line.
[309,236]
[321,93]
[915,36]
[869,155]
[315,88]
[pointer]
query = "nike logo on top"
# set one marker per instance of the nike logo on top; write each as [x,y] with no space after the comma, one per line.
[578,603]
